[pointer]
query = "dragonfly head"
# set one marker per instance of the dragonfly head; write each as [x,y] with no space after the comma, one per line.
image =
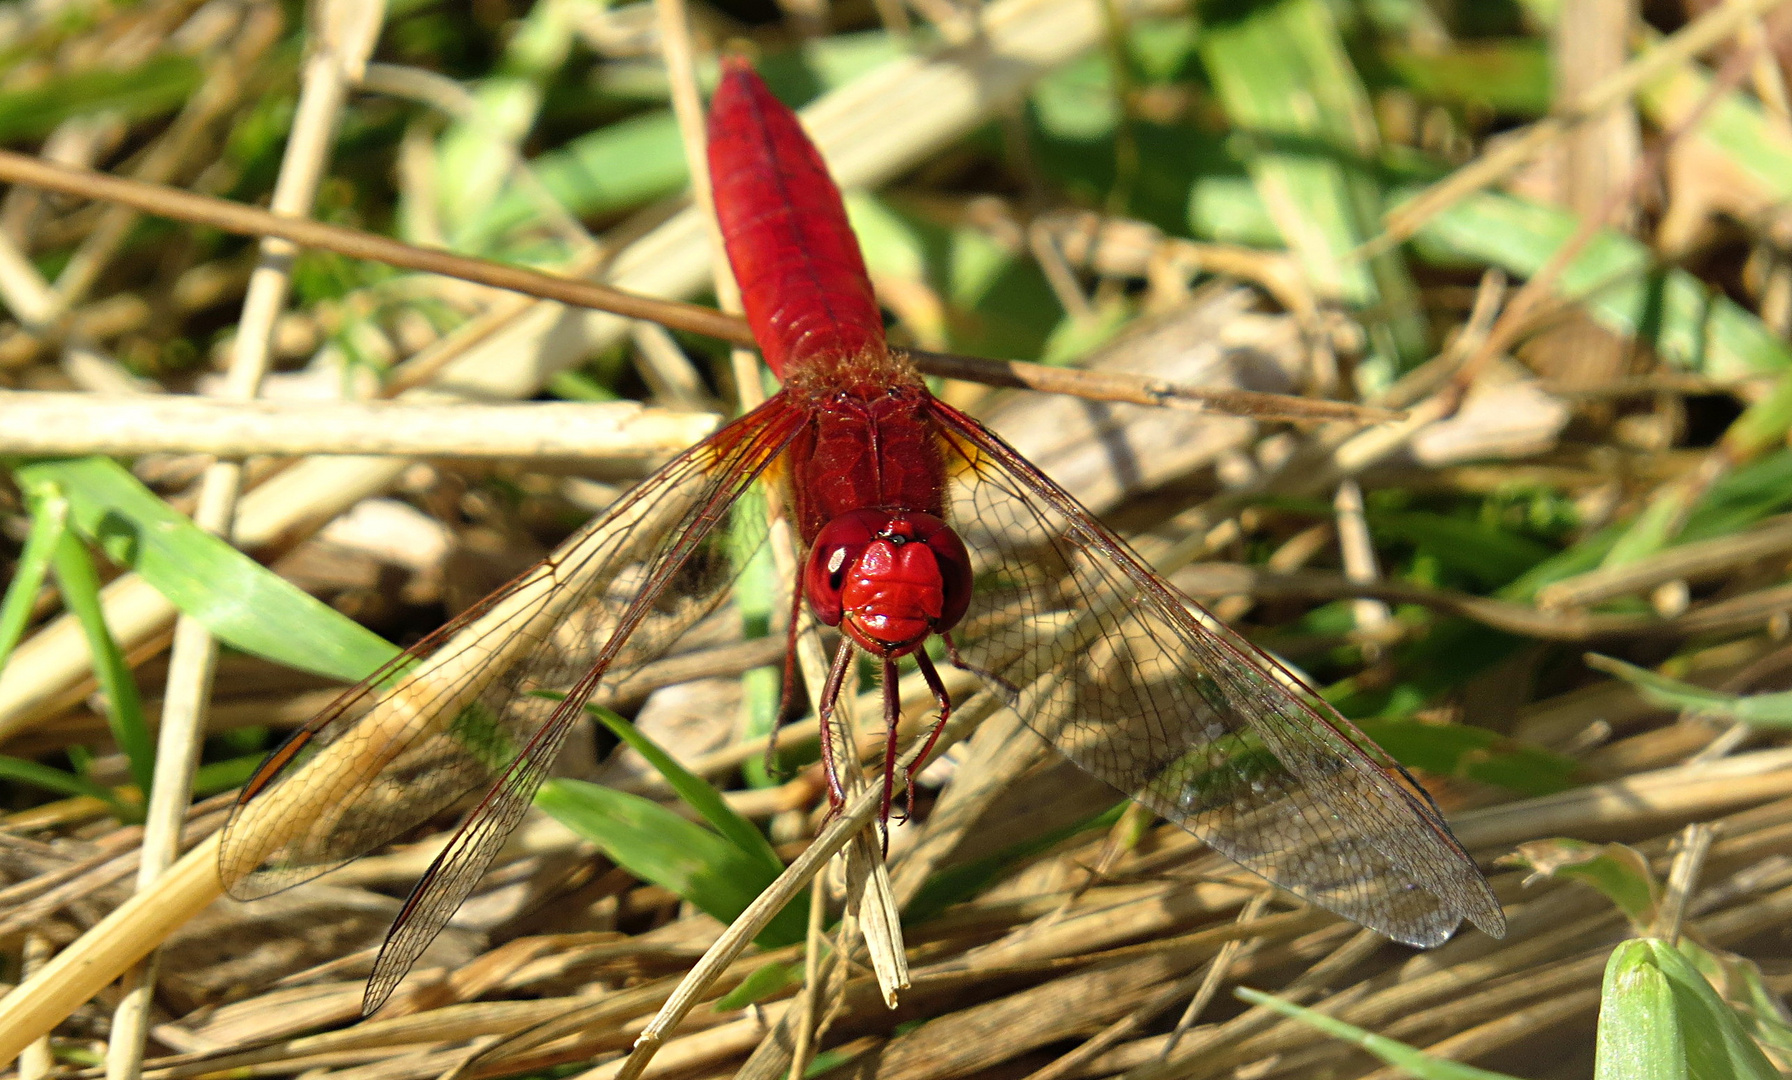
[888,578]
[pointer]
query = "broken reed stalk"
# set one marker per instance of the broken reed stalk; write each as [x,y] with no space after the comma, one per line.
[244,220]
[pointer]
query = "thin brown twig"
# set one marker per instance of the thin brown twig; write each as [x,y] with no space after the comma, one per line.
[244,220]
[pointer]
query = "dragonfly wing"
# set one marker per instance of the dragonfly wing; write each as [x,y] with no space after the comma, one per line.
[1141,687]
[480,702]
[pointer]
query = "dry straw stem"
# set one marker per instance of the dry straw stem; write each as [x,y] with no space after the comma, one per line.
[1531,301]
[246,220]
[116,942]
[870,130]
[173,150]
[1690,41]
[1672,794]
[1023,37]
[433,692]
[1558,932]
[344,36]
[51,423]
[1686,562]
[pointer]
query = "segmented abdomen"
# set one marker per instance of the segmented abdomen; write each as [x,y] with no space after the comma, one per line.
[802,279]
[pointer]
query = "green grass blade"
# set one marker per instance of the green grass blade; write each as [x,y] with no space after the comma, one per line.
[1762,710]
[158,86]
[242,603]
[1508,76]
[1717,1044]
[1473,753]
[62,783]
[696,792]
[1398,1054]
[1733,129]
[1740,983]
[80,585]
[216,776]
[657,845]
[757,596]
[49,520]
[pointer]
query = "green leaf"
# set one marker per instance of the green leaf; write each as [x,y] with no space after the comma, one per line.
[1739,982]
[242,603]
[629,162]
[614,168]
[1660,1018]
[993,296]
[1077,337]
[1762,710]
[216,776]
[1736,501]
[49,519]
[1618,871]
[767,981]
[80,585]
[757,596]
[30,772]
[1398,1054]
[696,792]
[657,845]
[1733,128]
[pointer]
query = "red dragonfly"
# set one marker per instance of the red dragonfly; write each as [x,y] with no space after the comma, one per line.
[918,523]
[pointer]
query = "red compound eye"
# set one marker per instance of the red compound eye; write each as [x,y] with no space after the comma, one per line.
[890,578]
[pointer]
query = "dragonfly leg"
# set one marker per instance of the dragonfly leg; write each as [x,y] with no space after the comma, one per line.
[956,660]
[933,735]
[830,694]
[787,696]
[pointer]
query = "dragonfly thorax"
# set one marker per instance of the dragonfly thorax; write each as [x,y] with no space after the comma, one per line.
[888,578]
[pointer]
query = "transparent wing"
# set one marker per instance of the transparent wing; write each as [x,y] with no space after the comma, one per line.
[1141,687]
[487,700]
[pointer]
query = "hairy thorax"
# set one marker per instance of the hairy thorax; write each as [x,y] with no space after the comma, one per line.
[868,443]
